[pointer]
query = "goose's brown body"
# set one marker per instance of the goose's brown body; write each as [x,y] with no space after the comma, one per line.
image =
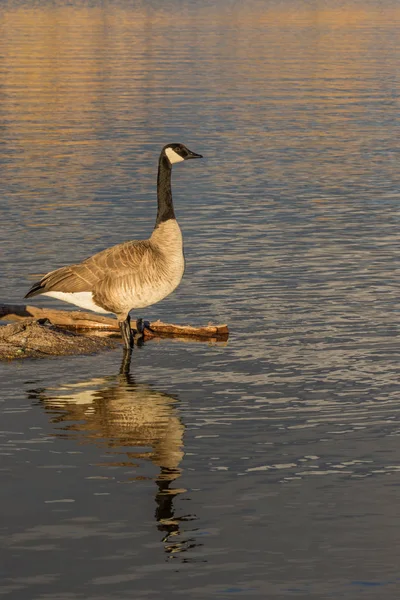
[134,274]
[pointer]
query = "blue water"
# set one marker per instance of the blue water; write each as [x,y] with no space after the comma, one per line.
[264,467]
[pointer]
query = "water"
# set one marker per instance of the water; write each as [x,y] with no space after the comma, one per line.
[267,467]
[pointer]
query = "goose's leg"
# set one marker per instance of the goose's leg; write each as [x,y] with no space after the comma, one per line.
[140,325]
[138,337]
[126,332]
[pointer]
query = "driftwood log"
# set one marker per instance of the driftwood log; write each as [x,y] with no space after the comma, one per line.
[78,320]
[37,330]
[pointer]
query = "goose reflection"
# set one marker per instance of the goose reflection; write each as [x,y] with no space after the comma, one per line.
[116,412]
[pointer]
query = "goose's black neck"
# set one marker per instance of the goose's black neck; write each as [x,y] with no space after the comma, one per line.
[164,194]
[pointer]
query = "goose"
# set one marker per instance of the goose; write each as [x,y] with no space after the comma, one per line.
[134,274]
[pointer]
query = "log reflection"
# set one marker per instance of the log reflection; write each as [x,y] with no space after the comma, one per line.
[133,420]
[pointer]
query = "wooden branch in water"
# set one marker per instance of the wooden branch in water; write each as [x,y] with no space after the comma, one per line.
[83,320]
[158,327]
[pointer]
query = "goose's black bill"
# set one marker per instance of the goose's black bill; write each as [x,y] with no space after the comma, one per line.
[193,155]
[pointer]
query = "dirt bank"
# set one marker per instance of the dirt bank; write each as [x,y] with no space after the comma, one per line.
[34,338]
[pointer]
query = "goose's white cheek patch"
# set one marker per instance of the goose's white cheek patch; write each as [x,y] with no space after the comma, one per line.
[173,156]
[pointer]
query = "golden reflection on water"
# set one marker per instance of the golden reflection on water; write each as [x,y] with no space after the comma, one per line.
[134,422]
[87,90]
[69,71]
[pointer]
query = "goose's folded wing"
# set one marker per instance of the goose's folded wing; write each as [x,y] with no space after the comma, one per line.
[113,262]
[75,278]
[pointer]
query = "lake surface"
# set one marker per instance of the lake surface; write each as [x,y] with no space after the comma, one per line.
[267,467]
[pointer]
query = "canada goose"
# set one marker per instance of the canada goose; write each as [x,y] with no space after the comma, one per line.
[133,274]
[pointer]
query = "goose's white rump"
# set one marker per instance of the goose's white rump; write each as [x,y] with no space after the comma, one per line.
[81,299]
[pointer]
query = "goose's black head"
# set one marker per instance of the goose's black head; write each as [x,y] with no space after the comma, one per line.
[178,152]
